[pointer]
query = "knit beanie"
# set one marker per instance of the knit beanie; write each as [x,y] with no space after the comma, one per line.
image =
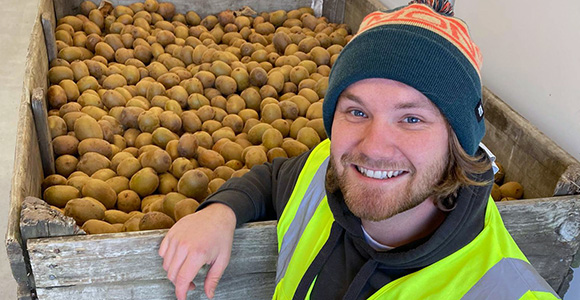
[421,45]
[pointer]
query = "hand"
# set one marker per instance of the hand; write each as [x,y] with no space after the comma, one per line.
[204,237]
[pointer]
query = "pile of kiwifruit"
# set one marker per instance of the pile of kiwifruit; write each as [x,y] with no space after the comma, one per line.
[150,110]
[511,190]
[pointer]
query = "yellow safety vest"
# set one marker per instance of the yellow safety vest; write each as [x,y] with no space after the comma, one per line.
[489,267]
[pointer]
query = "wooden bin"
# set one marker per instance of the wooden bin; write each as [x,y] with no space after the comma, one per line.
[126,265]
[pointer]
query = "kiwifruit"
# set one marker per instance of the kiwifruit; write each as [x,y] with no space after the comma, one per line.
[495,192]
[276,152]
[232,151]
[296,126]
[66,164]
[54,179]
[91,162]
[181,165]
[170,120]
[271,112]
[155,220]
[185,207]
[272,138]
[255,156]
[282,125]
[95,145]
[167,183]
[308,136]
[256,132]
[512,189]
[314,111]
[293,147]
[144,182]
[128,201]
[113,216]
[162,135]
[157,159]
[193,184]
[118,183]
[318,125]
[240,172]
[169,202]
[104,174]
[209,158]
[215,184]
[59,195]
[204,139]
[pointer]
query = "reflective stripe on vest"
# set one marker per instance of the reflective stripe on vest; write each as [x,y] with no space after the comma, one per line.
[510,278]
[464,274]
[315,192]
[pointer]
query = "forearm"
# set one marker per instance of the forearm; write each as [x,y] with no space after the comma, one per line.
[249,196]
[262,193]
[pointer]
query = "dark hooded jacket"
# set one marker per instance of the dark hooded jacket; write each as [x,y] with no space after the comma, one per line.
[347,267]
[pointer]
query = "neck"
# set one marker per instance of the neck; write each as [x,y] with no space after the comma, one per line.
[406,227]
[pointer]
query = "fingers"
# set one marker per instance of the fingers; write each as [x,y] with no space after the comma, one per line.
[187,272]
[163,246]
[175,263]
[214,274]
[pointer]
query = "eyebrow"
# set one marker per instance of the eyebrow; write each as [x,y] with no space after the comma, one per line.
[400,106]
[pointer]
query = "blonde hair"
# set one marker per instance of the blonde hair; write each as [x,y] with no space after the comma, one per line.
[459,173]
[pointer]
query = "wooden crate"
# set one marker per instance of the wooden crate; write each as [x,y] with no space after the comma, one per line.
[126,265]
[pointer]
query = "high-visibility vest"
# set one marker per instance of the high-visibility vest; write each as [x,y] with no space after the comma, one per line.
[489,267]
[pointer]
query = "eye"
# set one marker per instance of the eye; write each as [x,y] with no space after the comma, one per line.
[358,113]
[412,120]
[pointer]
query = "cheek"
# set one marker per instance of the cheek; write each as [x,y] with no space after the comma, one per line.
[428,149]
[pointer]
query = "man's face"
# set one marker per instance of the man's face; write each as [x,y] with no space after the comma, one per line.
[389,148]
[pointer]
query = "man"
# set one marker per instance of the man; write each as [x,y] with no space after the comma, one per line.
[398,205]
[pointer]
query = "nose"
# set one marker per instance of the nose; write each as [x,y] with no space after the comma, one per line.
[380,140]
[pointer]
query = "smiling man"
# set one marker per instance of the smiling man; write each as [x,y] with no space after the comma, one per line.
[398,205]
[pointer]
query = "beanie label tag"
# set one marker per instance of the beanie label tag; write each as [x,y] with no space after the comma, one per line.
[479,111]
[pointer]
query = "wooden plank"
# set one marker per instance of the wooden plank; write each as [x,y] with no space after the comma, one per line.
[27,173]
[40,113]
[356,10]
[334,10]
[546,230]
[132,256]
[39,220]
[242,287]
[203,8]
[516,142]
[49,39]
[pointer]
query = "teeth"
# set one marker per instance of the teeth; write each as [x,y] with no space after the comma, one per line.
[378,174]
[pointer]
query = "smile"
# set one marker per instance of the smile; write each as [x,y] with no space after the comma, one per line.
[378,174]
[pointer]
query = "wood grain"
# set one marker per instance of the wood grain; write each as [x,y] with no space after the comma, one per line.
[40,113]
[528,156]
[546,230]
[48,31]
[133,256]
[203,8]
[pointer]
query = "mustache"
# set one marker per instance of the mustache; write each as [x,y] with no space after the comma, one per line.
[363,160]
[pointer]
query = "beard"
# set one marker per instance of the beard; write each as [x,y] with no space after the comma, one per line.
[379,202]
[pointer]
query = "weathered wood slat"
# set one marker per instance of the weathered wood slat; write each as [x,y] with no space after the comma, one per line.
[243,287]
[547,231]
[27,173]
[133,256]
[37,219]
[203,8]
[334,10]
[527,155]
[48,31]
[357,10]
[40,112]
